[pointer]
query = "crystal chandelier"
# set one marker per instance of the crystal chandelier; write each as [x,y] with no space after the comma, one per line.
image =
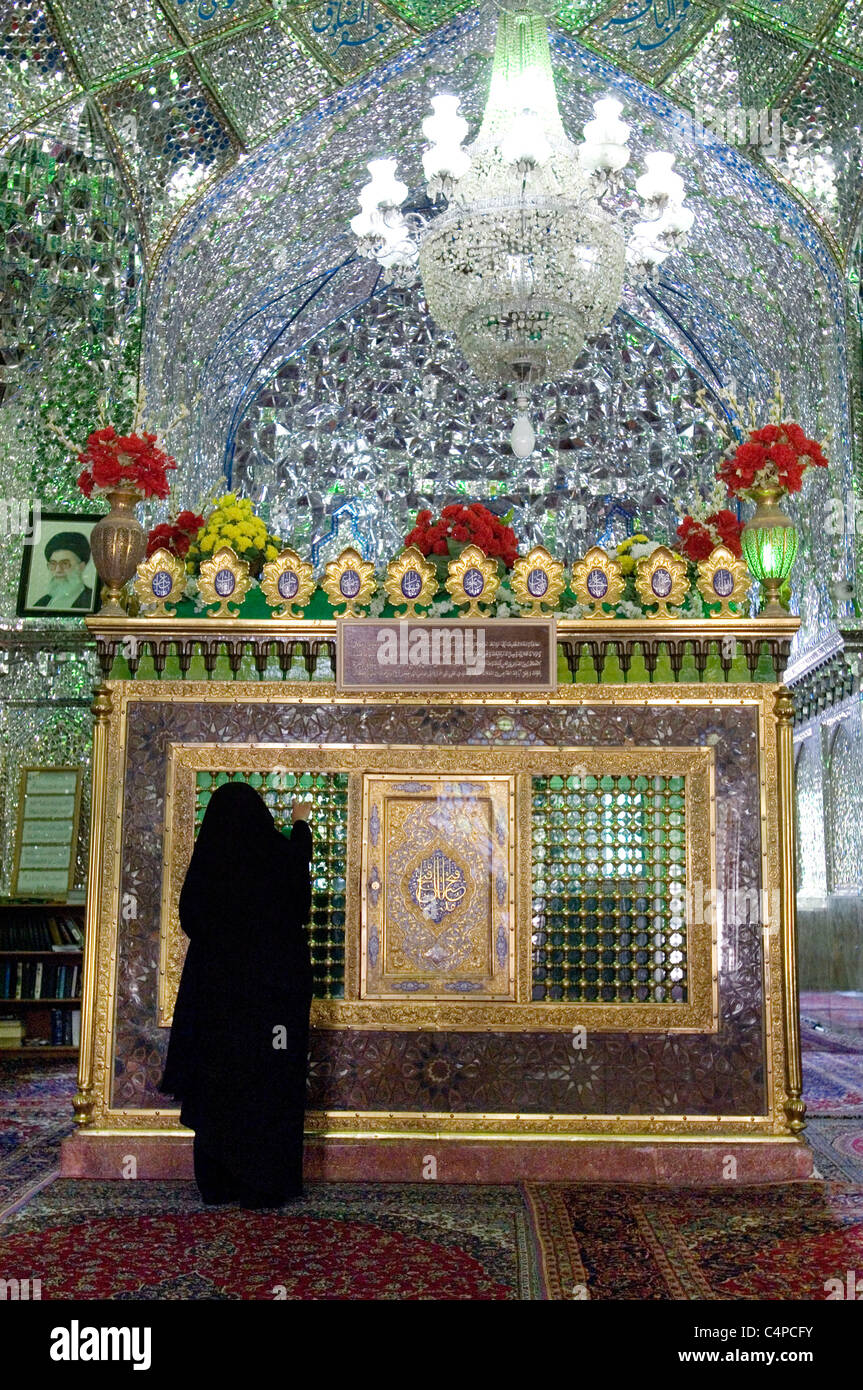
[524,250]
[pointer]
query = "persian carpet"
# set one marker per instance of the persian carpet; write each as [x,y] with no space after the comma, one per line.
[832,1083]
[816,1036]
[837,1145]
[838,1010]
[769,1242]
[157,1240]
[35,1114]
[831,1033]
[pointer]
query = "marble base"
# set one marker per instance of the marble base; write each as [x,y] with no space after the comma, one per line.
[683,1163]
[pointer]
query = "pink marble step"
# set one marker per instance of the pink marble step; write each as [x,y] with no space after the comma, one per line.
[682,1164]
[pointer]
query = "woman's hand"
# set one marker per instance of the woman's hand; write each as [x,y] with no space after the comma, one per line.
[301,810]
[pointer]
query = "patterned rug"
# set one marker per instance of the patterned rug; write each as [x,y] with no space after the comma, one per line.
[643,1243]
[838,1148]
[816,1036]
[833,1084]
[838,1010]
[831,1033]
[35,1114]
[156,1240]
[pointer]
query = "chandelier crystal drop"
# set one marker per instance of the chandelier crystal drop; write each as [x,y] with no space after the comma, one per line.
[526,253]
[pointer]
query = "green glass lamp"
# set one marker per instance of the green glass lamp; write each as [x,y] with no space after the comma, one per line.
[769,542]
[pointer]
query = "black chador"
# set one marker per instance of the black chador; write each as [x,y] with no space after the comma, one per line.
[238,1051]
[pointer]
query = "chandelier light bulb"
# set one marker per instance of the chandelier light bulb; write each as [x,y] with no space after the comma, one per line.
[605,148]
[644,252]
[365,225]
[523,437]
[660,184]
[525,142]
[607,128]
[676,221]
[384,190]
[445,126]
[445,162]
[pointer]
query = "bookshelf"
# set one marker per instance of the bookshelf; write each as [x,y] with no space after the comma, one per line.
[41,965]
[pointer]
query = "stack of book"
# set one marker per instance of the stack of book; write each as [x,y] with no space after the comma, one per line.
[11,1032]
[65,1027]
[36,979]
[38,932]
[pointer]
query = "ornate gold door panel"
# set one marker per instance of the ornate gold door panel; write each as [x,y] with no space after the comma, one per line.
[438,919]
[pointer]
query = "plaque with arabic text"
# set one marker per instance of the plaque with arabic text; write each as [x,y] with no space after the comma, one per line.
[456,654]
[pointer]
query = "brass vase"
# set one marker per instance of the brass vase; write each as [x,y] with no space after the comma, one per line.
[118,543]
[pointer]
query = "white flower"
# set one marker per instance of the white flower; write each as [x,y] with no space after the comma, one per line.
[641,552]
[191,589]
[443,605]
[376,607]
[628,609]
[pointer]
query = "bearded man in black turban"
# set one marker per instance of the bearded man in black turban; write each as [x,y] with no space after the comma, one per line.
[67,555]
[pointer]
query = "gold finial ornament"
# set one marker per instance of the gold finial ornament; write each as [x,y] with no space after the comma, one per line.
[349,580]
[159,580]
[411,580]
[288,584]
[537,581]
[662,579]
[472,579]
[224,580]
[597,580]
[723,579]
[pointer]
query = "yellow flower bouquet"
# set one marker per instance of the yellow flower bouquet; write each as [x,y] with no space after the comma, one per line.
[624,555]
[233,522]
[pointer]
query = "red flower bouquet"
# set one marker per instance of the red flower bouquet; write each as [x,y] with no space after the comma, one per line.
[124,461]
[175,536]
[698,539]
[459,526]
[776,456]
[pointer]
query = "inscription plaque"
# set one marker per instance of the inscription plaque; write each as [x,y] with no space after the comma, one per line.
[456,654]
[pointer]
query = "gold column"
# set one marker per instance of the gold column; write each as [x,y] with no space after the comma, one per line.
[795,1109]
[101,710]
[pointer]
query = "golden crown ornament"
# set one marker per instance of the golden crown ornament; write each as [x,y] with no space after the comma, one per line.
[287,584]
[662,579]
[159,580]
[224,580]
[472,580]
[723,579]
[349,580]
[597,580]
[411,580]
[537,581]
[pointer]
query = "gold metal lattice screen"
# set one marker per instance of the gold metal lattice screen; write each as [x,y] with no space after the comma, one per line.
[609,889]
[328,794]
[586,912]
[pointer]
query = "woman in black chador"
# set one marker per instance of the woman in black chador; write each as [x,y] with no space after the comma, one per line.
[238,1051]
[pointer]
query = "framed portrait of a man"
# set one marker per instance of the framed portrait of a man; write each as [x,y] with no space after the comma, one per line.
[58,577]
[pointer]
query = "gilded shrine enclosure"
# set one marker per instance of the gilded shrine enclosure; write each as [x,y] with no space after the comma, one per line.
[493,874]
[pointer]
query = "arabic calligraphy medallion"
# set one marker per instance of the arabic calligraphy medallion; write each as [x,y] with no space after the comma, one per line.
[437,886]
